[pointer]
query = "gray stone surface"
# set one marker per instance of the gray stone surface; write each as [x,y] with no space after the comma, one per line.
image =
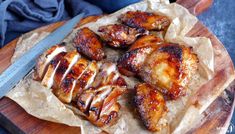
[220,19]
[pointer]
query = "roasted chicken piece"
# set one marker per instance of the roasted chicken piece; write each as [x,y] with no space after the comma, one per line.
[145,20]
[131,62]
[88,43]
[66,89]
[147,40]
[86,79]
[167,66]
[118,35]
[66,63]
[99,102]
[107,75]
[110,107]
[150,105]
[48,79]
[170,68]
[44,60]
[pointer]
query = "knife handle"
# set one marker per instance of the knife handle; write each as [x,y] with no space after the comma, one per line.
[195,7]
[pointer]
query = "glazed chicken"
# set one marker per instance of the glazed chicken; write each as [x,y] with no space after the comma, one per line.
[150,105]
[88,43]
[145,20]
[167,66]
[118,35]
[93,86]
[131,62]
[44,60]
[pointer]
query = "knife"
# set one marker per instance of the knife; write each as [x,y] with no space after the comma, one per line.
[14,73]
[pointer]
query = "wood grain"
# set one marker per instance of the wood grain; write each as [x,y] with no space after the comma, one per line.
[22,122]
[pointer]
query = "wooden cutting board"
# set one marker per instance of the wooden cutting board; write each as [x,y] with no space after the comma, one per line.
[219,114]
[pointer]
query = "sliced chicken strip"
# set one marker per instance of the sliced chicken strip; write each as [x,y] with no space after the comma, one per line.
[48,79]
[97,102]
[64,68]
[67,86]
[110,116]
[110,107]
[86,79]
[44,60]
[106,75]
[84,100]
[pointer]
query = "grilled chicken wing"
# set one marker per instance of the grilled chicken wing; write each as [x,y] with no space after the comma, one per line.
[150,104]
[118,35]
[170,68]
[87,43]
[145,20]
[44,60]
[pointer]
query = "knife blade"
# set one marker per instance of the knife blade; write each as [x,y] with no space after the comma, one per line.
[15,72]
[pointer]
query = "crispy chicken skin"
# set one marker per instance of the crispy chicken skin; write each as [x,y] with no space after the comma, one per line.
[147,40]
[118,35]
[150,105]
[145,20]
[131,62]
[88,43]
[170,68]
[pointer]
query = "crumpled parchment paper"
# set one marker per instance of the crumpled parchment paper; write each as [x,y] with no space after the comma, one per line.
[41,103]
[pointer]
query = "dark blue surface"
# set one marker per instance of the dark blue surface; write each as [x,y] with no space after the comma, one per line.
[220,19]
[20,16]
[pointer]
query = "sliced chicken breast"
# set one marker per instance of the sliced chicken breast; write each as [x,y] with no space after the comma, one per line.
[68,84]
[97,102]
[106,75]
[86,79]
[48,78]
[44,60]
[85,99]
[64,68]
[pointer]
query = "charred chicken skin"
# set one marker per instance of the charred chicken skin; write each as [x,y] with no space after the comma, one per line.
[170,67]
[150,105]
[131,62]
[88,43]
[118,35]
[167,66]
[145,20]
[94,86]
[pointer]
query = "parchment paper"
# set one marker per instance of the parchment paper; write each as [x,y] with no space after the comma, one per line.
[41,103]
